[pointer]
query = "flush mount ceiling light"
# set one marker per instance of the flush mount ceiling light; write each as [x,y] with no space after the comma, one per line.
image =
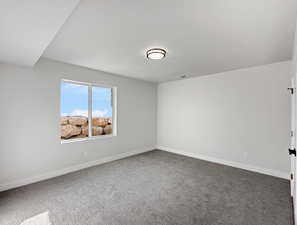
[156,53]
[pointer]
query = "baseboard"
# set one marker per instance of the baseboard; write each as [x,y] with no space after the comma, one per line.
[257,169]
[56,173]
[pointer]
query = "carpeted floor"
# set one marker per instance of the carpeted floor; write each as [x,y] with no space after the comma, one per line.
[154,188]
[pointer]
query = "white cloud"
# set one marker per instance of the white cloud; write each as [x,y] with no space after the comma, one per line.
[80,112]
[99,113]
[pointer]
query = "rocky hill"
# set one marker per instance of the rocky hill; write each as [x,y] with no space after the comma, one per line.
[77,126]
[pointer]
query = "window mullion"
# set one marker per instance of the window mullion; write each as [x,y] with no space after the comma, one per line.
[90,109]
[114,111]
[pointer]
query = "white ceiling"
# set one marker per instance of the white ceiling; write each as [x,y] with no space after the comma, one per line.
[28,26]
[201,36]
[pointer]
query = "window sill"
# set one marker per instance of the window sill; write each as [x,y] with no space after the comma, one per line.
[87,139]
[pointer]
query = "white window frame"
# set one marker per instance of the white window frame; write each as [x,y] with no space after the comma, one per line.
[90,104]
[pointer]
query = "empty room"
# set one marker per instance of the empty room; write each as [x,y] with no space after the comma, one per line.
[145,112]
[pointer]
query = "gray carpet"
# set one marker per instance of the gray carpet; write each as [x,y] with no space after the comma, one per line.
[154,188]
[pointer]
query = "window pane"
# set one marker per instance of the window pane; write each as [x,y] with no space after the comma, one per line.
[74,111]
[101,111]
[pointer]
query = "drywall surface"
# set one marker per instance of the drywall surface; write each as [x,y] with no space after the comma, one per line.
[242,116]
[30,142]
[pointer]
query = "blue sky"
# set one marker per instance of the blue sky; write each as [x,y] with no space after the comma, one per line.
[74,100]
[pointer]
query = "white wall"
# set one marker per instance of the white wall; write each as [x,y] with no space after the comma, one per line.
[30,116]
[240,117]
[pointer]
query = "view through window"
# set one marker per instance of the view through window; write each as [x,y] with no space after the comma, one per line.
[86,110]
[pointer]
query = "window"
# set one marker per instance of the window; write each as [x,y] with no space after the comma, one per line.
[87,110]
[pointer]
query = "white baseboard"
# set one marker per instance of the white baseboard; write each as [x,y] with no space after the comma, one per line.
[56,173]
[257,169]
